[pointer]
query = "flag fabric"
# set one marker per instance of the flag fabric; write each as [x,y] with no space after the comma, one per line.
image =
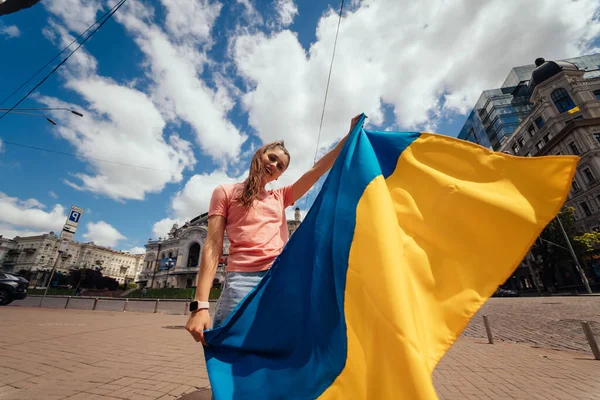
[409,236]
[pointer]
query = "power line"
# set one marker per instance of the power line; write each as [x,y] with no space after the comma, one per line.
[91,158]
[327,90]
[114,10]
[56,56]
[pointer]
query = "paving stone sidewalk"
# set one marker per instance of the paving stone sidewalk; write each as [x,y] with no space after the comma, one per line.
[74,354]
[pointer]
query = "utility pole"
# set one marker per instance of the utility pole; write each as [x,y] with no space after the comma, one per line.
[67,234]
[533,275]
[577,265]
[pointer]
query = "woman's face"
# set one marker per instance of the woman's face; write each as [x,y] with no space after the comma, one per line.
[275,162]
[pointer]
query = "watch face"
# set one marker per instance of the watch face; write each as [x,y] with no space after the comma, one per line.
[193,306]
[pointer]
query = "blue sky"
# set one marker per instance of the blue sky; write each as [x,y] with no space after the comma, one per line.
[184,92]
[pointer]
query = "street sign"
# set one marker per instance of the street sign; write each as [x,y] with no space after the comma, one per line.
[70,227]
[74,216]
[64,245]
[66,235]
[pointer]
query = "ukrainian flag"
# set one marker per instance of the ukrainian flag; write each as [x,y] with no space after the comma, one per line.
[410,235]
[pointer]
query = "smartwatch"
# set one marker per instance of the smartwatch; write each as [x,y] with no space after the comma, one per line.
[198,305]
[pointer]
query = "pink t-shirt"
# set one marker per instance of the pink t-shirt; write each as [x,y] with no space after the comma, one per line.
[256,234]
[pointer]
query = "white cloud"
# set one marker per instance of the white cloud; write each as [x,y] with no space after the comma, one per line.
[9,231]
[175,68]
[77,15]
[290,213]
[191,19]
[11,31]
[192,200]
[1,146]
[162,227]
[286,11]
[53,195]
[136,250]
[27,217]
[121,125]
[400,53]
[103,234]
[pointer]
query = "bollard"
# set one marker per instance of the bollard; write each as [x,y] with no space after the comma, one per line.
[591,339]
[125,305]
[488,329]
[156,306]
[41,302]
[185,310]
[67,303]
[95,304]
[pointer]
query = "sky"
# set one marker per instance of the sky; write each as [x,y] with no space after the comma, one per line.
[176,95]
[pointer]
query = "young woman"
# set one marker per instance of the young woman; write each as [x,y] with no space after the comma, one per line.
[255,222]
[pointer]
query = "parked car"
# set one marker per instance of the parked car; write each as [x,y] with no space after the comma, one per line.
[500,292]
[12,287]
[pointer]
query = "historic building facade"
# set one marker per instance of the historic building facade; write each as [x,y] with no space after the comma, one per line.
[173,262]
[565,119]
[37,254]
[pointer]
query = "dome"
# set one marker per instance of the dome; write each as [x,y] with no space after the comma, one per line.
[546,70]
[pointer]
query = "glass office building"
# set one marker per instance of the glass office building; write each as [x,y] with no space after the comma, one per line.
[498,112]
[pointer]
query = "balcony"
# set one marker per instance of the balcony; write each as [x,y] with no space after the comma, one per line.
[29,250]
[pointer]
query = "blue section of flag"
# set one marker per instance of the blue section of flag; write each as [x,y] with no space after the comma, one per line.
[287,339]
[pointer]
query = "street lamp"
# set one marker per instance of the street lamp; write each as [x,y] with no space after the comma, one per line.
[43,109]
[20,111]
[35,115]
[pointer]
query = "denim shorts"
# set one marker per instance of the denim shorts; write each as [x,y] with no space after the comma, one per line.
[237,286]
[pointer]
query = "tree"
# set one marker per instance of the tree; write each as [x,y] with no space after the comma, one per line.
[588,241]
[89,278]
[552,247]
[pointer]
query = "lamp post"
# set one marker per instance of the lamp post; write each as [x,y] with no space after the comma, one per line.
[20,111]
[575,260]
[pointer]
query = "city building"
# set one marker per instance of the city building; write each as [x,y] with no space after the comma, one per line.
[36,255]
[498,112]
[565,119]
[173,262]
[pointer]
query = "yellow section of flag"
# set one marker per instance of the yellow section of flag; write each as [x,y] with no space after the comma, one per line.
[432,243]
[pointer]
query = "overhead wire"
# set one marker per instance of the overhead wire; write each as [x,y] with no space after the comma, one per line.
[327,90]
[64,153]
[104,18]
[56,56]
[114,10]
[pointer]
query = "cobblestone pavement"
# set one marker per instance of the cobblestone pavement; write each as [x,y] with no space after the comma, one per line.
[551,322]
[79,354]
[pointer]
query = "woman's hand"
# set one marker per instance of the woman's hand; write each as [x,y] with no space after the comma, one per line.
[198,322]
[354,121]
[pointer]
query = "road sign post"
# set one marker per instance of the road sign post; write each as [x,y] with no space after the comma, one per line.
[66,235]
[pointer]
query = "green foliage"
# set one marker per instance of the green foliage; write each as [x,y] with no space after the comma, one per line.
[171,293]
[588,241]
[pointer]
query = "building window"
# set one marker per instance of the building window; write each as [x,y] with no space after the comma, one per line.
[597,137]
[586,208]
[574,149]
[515,149]
[540,145]
[562,100]
[528,154]
[539,122]
[546,138]
[589,175]
[521,142]
[597,94]
[575,186]
[531,130]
